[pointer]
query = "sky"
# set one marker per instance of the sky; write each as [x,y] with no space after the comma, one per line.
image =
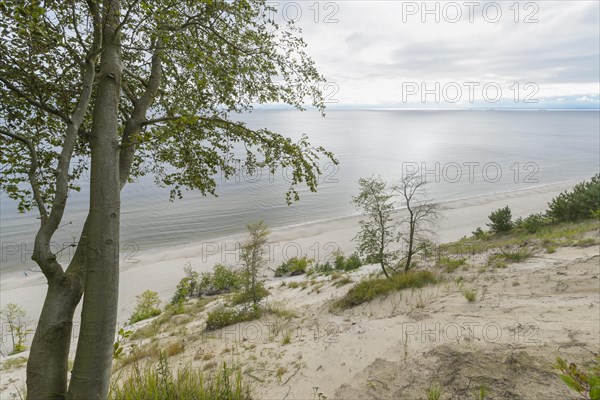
[445,54]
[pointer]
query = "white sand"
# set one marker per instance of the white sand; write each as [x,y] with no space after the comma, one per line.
[161,269]
[553,291]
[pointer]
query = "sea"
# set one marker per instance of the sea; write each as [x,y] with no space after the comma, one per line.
[461,154]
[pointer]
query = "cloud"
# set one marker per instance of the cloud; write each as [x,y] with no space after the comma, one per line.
[370,52]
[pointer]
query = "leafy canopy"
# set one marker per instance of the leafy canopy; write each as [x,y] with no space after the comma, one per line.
[208,59]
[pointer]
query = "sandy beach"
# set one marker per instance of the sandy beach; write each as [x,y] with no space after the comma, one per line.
[525,315]
[160,270]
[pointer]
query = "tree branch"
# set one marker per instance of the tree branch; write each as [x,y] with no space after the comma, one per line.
[35,187]
[33,102]
[140,107]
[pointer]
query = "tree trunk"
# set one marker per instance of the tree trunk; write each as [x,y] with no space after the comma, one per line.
[52,339]
[410,245]
[93,360]
[47,366]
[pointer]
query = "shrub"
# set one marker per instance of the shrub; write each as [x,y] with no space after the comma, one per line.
[223,316]
[478,233]
[221,280]
[341,263]
[15,318]
[579,203]
[147,306]
[347,264]
[246,296]
[224,279]
[586,382]
[501,220]
[533,223]
[160,382]
[292,267]
[368,290]
[353,262]
[187,286]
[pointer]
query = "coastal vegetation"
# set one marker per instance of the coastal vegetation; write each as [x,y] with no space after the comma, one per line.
[105,92]
[234,295]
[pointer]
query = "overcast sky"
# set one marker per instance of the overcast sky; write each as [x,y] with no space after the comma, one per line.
[382,54]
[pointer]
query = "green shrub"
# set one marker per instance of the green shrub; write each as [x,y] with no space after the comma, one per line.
[368,290]
[347,264]
[341,263]
[188,286]
[321,269]
[147,306]
[160,382]
[353,262]
[224,279]
[221,280]
[586,382]
[224,316]
[246,296]
[292,267]
[501,220]
[478,233]
[577,204]
[533,223]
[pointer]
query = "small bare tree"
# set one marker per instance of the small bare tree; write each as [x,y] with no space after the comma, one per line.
[422,214]
[378,230]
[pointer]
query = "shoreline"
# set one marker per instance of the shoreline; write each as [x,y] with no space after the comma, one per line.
[161,269]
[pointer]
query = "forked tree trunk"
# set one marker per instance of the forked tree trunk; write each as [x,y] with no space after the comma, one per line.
[91,371]
[47,365]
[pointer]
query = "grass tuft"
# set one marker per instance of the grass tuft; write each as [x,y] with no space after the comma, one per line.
[450,264]
[470,295]
[370,289]
[223,316]
[160,382]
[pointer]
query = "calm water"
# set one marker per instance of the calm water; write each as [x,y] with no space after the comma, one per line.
[464,154]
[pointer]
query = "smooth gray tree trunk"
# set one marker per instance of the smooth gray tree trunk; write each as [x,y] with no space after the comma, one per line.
[93,360]
[47,366]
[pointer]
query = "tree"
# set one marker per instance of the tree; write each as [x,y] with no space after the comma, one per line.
[500,220]
[422,214]
[576,204]
[253,259]
[15,318]
[378,230]
[125,88]
[147,306]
